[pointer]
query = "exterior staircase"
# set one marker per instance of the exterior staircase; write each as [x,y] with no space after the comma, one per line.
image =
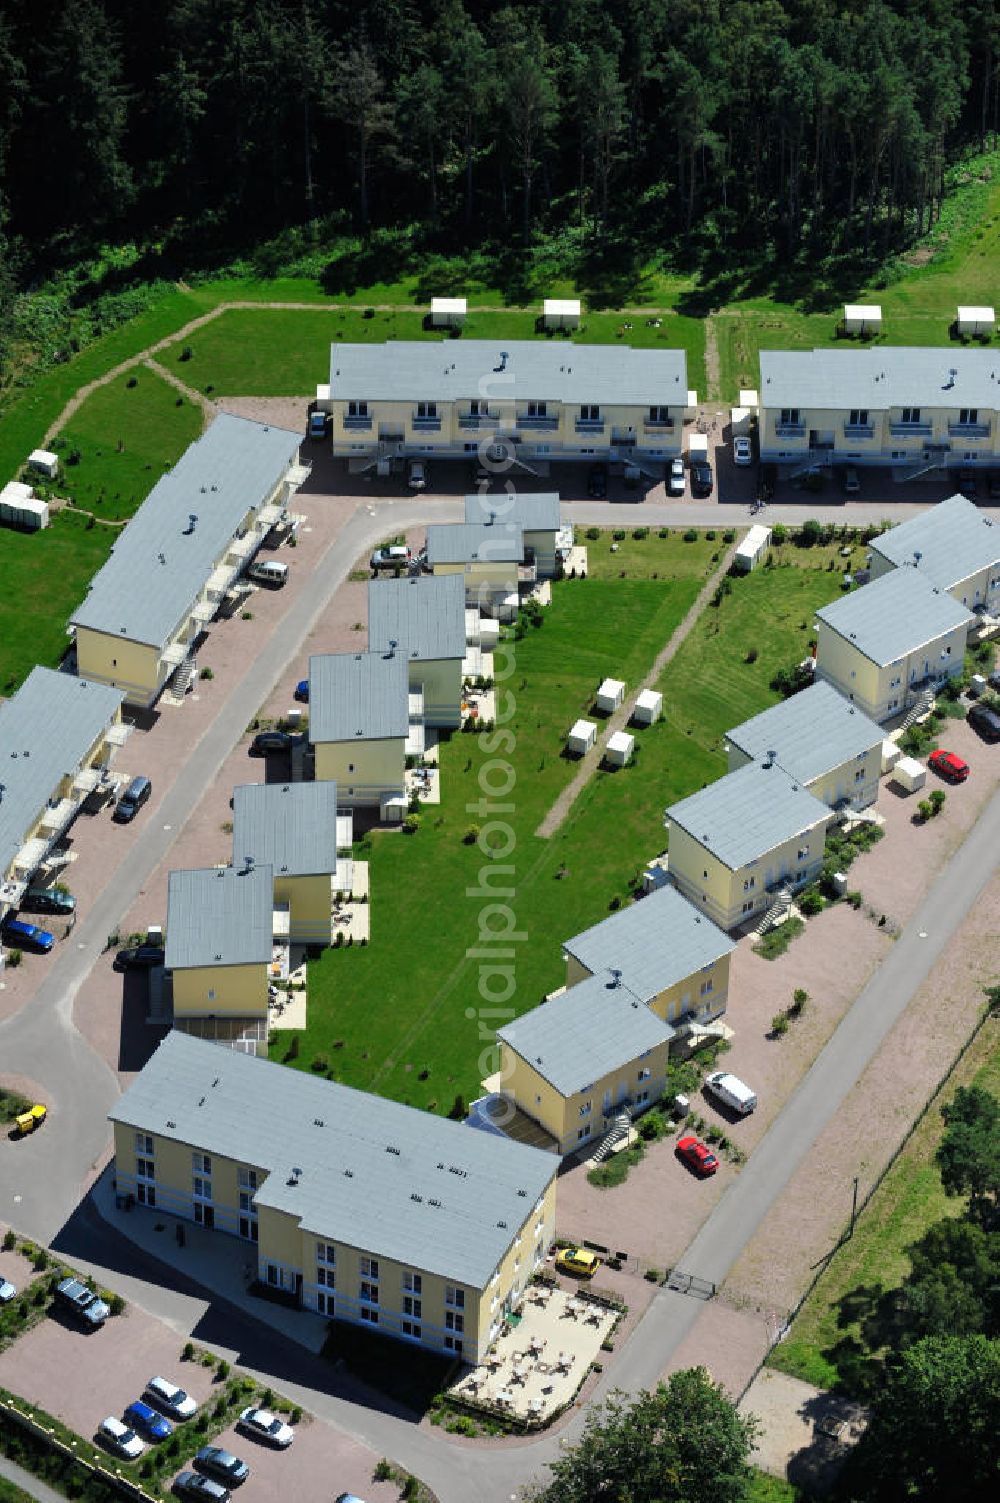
[617,1133]
[182,678]
[783,899]
[819,459]
[921,706]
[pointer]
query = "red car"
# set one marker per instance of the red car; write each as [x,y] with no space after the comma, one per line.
[949,766]
[697,1157]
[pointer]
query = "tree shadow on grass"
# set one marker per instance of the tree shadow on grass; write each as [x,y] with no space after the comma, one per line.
[870,1318]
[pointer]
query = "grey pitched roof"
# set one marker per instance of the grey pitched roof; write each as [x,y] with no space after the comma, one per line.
[360,696]
[161,559]
[954,540]
[746,813]
[400,1183]
[590,1030]
[46,728]
[894,615]
[535,370]
[533,512]
[880,377]
[810,733]
[425,615]
[291,827]
[655,942]
[465,542]
[220,916]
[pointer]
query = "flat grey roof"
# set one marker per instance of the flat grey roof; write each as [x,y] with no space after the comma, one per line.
[220,915]
[954,540]
[746,813]
[894,615]
[46,729]
[810,733]
[465,542]
[162,558]
[426,616]
[880,377]
[532,512]
[291,827]
[535,370]
[388,1179]
[590,1030]
[361,696]
[655,942]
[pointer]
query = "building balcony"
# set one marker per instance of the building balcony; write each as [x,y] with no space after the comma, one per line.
[789,430]
[477,420]
[590,425]
[859,430]
[910,430]
[658,425]
[546,424]
[426,424]
[357,424]
[969,430]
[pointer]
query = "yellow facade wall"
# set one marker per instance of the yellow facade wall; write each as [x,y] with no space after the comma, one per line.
[365,771]
[131,666]
[576,1119]
[309,900]
[883,692]
[233,991]
[831,425]
[704,993]
[440,679]
[731,898]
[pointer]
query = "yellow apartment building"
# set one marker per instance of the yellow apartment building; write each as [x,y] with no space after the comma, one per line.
[954,545]
[821,740]
[915,409]
[535,512]
[58,738]
[364,1210]
[359,721]
[425,616]
[219,945]
[888,643]
[526,400]
[739,842]
[291,828]
[488,556]
[188,543]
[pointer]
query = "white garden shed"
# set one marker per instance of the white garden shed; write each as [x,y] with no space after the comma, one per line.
[909,774]
[862,318]
[44,462]
[974,321]
[448,312]
[752,549]
[890,756]
[610,695]
[582,737]
[648,707]
[561,313]
[619,749]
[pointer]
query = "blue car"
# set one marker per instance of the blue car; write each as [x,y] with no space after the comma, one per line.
[302,691]
[148,1422]
[20,935]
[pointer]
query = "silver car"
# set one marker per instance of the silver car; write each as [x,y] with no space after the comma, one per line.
[675,479]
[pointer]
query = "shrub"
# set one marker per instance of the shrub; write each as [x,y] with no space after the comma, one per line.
[809,534]
[779,534]
[382,1471]
[458,1112]
[811,902]
[116,1304]
[593,533]
[411,1487]
[710,535]
[691,536]
[855,899]
[40,1261]
[471,835]
[13,958]
[924,810]
[664,532]
[779,1025]
[246,615]
[729,536]
[640,534]
[9,1241]
[619,535]
[320,1063]
[411,824]
[936,801]
[222,1370]
[206,673]
[188,1351]
[186,353]
[652,1275]
[295,1415]
[132,382]
[751,656]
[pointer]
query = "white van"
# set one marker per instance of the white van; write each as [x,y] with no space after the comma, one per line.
[268,571]
[731,1091]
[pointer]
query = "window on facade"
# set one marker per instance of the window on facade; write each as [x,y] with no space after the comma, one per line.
[748,907]
[642,1096]
[859,776]
[145,1195]
[454,1296]
[368,1292]
[706,987]
[537,409]
[453,1321]
[477,408]
[789,414]
[644,1073]
[201,1163]
[325,1304]
[273,1275]
[408,1328]
[371,1316]
[659,414]
[246,1203]
[357,409]
[369,1268]
[249,1228]
[427,409]
[969,415]
[749,883]
[802,853]
[326,1277]
[145,1169]
[143,1143]
[590,414]
[910,415]
[453,1344]
[413,1283]
[583,1132]
[202,1187]
[586,1108]
[211,994]
[412,1306]
[327,1253]
[858,417]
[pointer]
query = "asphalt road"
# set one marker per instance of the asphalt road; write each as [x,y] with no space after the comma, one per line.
[29,1483]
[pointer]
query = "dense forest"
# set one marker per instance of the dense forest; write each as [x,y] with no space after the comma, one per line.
[205,126]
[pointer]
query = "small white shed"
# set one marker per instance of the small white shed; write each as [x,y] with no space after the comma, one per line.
[752,549]
[45,463]
[909,774]
[691,408]
[489,633]
[448,312]
[582,737]
[739,420]
[648,707]
[20,508]
[561,313]
[392,808]
[890,756]
[697,448]
[976,320]
[749,398]
[619,749]
[610,695]
[862,318]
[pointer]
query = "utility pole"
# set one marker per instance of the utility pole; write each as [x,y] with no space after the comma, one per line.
[854,1208]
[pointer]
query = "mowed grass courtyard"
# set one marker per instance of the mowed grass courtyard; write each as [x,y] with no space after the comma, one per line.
[405,1016]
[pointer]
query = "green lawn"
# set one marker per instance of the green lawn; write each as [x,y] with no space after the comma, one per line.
[392,1016]
[125,437]
[11,1494]
[828,1338]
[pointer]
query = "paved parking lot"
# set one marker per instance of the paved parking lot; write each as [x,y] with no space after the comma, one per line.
[319,1464]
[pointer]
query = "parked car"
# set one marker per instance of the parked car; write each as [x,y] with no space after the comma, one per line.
[949,765]
[395,556]
[170,1399]
[731,1091]
[139,958]
[417,475]
[119,1438]
[302,691]
[268,571]
[213,1461]
[75,1296]
[191,1485]
[701,478]
[48,900]
[348,1498]
[852,481]
[7,1291]
[319,424]
[132,800]
[986,721]
[270,743]
[675,478]
[578,1261]
[699,1158]
[597,481]
[264,1425]
[21,936]
[967,483]
[742,450]
[27,1122]
[146,1420]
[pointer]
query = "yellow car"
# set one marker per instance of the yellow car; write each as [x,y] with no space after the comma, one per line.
[29,1120]
[577,1261]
